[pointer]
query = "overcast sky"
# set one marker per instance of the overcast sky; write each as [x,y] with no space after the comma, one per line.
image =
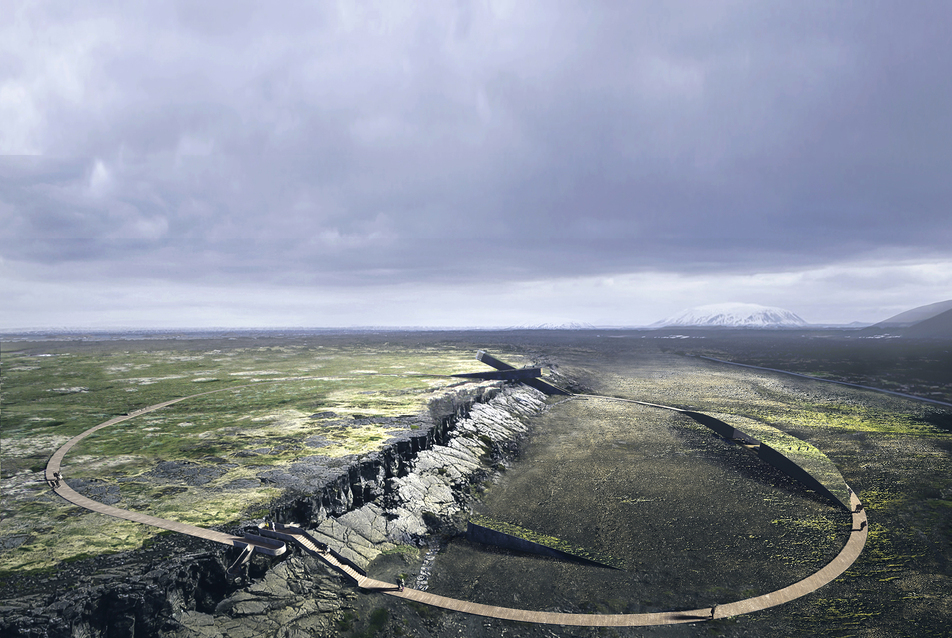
[182,164]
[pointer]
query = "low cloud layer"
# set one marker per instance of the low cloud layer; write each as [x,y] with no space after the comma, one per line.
[336,152]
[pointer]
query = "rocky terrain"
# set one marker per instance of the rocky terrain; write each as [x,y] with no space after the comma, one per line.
[387,502]
[692,518]
[261,419]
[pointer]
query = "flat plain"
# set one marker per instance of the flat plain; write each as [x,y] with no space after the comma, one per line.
[694,519]
[195,462]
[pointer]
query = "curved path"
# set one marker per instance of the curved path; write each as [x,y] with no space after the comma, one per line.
[847,556]
[54,469]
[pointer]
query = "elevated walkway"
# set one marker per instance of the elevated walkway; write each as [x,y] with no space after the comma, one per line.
[846,557]
[316,548]
[273,542]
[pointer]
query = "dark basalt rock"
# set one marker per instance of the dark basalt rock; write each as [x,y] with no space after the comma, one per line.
[127,594]
[97,489]
[187,472]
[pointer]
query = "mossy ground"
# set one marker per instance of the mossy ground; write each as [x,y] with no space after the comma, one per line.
[691,519]
[894,452]
[274,404]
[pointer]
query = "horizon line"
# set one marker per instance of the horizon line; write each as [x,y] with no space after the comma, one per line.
[417,328]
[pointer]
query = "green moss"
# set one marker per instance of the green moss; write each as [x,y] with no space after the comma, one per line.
[810,541]
[265,398]
[805,455]
[345,622]
[378,618]
[841,416]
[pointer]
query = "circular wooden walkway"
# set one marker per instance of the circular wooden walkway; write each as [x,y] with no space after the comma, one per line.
[847,556]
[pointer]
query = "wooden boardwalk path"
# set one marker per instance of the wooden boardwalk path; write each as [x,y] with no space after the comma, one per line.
[847,556]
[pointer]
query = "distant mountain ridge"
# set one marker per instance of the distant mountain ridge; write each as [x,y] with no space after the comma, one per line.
[733,315]
[916,315]
[938,326]
[932,321]
[574,325]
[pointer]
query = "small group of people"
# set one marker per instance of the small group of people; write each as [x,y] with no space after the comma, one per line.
[55,481]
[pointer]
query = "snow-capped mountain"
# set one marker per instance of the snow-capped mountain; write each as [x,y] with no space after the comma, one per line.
[734,315]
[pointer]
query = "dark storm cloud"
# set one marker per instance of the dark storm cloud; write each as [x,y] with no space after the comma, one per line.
[340,145]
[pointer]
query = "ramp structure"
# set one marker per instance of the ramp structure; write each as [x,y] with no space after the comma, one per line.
[529,376]
[815,472]
[524,374]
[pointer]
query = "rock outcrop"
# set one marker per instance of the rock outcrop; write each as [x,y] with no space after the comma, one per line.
[437,485]
[417,484]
